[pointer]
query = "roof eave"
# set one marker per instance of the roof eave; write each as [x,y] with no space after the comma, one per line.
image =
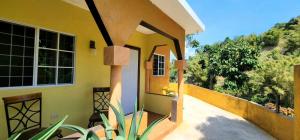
[197,20]
[181,12]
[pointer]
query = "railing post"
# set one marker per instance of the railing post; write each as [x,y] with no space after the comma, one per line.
[177,104]
[116,57]
[297,102]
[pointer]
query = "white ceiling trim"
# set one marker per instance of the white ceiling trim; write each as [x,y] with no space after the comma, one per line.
[181,12]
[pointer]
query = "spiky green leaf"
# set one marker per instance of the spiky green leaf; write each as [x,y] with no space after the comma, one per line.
[120,138]
[90,135]
[120,119]
[132,131]
[45,134]
[145,134]
[14,136]
[140,119]
[108,128]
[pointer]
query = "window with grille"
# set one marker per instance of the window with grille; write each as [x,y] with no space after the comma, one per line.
[158,65]
[55,59]
[30,56]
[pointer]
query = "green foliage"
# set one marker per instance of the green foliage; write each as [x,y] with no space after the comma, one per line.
[274,76]
[191,41]
[229,59]
[14,136]
[86,134]
[260,99]
[90,135]
[236,57]
[134,127]
[293,43]
[47,133]
[254,67]
[293,24]
[197,72]
[271,38]
[173,73]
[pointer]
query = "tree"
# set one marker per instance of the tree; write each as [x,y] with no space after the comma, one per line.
[274,78]
[293,24]
[293,43]
[252,39]
[271,38]
[197,72]
[191,41]
[173,73]
[213,69]
[235,58]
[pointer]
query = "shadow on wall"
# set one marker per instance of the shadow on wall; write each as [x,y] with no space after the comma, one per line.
[223,128]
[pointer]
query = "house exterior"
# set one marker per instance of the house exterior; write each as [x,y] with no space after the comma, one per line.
[64,48]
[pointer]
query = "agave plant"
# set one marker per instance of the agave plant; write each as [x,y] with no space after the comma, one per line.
[134,127]
[109,130]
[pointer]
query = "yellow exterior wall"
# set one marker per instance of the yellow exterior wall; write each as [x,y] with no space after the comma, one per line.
[277,125]
[158,83]
[146,43]
[73,100]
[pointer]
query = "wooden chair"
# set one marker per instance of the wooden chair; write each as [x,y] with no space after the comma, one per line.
[24,114]
[101,99]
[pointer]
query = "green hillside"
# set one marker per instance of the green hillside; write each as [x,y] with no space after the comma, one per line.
[255,67]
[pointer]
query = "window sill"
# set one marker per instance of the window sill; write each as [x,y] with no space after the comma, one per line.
[158,75]
[34,87]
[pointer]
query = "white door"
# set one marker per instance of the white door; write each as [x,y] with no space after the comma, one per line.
[130,82]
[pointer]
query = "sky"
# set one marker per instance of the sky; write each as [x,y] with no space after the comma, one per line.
[230,18]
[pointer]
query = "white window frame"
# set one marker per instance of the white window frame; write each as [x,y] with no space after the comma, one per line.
[158,68]
[35,59]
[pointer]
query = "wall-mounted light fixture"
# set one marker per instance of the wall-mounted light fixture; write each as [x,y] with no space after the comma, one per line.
[93,47]
[92,44]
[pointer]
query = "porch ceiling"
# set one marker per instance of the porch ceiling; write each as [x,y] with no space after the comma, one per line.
[78,3]
[178,10]
[144,30]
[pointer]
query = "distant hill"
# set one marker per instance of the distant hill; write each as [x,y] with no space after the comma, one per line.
[255,67]
[283,36]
